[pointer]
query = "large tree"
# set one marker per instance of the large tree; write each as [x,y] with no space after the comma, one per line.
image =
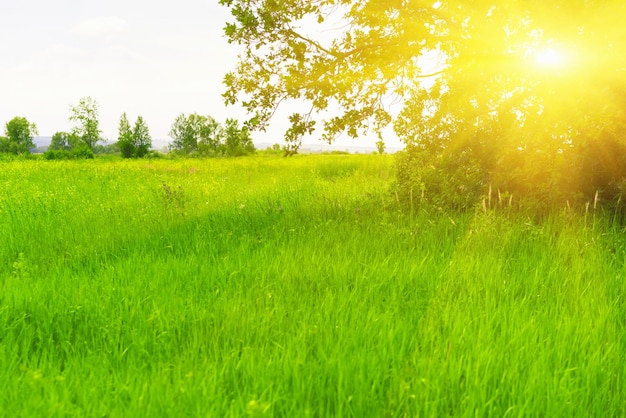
[509,87]
[19,136]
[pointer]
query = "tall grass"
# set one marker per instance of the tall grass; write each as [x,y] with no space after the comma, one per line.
[295,287]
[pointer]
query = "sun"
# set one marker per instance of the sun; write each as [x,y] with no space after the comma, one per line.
[549,57]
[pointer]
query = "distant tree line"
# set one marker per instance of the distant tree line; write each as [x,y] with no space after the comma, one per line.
[191,135]
[202,135]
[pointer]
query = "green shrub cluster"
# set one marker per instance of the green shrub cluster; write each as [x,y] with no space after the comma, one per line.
[453,180]
[80,152]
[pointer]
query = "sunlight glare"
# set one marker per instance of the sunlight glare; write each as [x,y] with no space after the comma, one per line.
[549,56]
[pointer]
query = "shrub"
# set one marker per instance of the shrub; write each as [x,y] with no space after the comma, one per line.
[52,154]
[82,152]
[546,180]
[451,180]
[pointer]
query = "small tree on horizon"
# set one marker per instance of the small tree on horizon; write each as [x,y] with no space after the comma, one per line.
[125,138]
[19,136]
[85,117]
[203,135]
[141,137]
[133,142]
[63,141]
[195,134]
[380,145]
[237,141]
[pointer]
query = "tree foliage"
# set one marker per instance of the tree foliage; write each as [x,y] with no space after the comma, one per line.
[67,146]
[380,146]
[142,137]
[125,140]
[237,140]
[133,142]
[18,138]
[459,81]
[203,135]
[85,116]
[63,141]
[195,134]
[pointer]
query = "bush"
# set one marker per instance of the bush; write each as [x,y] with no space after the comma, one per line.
[82,152]
[450,180]
[154,154]
[57,155]
[78,153]
[544,179]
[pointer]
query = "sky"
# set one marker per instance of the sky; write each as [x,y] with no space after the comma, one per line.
[155,59]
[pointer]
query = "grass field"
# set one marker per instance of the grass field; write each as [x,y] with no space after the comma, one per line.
[296,287]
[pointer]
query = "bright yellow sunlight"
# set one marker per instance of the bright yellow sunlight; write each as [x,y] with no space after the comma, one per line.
[549,57]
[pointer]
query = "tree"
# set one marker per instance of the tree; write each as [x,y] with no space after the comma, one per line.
[63,141]
[65,146]
[19,136]
[203,135]
[210,136]
[4,145]
[237,140]
[471,87]
[135,142]
[184,135]
[125,140]
[195,134]
[142,138]
[380,145]
[87,125]
[109,149]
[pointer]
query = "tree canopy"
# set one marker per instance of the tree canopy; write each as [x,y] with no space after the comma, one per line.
[195,133]
[135,142]
[513,85]
[63,141]
[357,54]
[203,135]
[19,136]
[85,116]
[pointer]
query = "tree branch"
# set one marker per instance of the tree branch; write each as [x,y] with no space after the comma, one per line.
[312,42]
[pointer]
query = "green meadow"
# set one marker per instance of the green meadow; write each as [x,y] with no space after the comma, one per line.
[293,287]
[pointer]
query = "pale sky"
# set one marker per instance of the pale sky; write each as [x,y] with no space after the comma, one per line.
[155,59]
